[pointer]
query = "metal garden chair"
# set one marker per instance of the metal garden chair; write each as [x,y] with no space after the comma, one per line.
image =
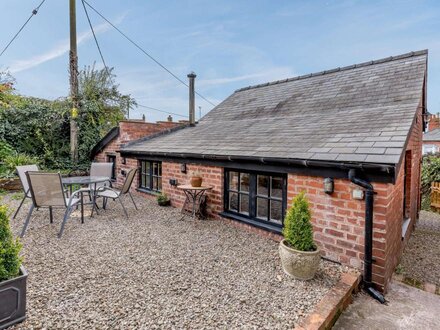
[21,171]
[47,191]
[114,194]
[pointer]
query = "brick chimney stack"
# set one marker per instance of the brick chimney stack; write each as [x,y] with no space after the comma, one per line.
[433,122]
[192,112]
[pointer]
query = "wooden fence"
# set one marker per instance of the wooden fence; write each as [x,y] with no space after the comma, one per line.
[435,195]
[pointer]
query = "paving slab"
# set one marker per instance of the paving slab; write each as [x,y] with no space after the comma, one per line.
[407,308]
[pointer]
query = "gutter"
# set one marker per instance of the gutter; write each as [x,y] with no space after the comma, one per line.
[368,253]
[385,168]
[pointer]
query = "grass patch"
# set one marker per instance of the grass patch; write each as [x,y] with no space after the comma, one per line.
[17,196]
[413,282]
[399,269]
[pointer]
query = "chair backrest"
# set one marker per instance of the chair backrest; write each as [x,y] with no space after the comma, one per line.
[46,189]
[21,171]
[101,169]
[128,181]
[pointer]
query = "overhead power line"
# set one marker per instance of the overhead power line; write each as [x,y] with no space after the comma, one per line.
[107,70]
[155,109]
[34,12]
[145,52]
[96,39]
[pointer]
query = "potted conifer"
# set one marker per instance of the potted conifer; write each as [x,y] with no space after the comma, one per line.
[298,252]
[12,276]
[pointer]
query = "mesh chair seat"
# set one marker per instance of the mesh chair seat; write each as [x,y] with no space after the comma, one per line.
[108,193]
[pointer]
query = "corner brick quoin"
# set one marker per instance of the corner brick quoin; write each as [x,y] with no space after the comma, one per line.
[338,219]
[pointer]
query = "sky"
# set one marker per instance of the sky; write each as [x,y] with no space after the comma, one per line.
[229,44]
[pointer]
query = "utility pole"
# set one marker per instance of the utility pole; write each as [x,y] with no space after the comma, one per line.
[73,68]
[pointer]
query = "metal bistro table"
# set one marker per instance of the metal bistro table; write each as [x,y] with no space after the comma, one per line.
[85,180]
[194,197]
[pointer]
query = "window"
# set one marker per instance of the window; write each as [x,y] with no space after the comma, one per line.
[260,197]
[112,159]
[151,175]
[430,149]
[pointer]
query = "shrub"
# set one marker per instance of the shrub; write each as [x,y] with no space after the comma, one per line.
[7,169]
[10,260]
[162,199]
[298,230]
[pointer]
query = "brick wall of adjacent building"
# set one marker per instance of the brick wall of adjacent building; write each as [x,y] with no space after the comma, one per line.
[433,122]
[130,130]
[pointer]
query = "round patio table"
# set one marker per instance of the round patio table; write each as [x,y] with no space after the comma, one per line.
[85,180]
[194,197]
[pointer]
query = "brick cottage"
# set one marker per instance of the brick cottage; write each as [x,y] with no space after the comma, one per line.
[264,144]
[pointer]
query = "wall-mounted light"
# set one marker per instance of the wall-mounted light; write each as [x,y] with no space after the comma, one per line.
[124,160]
[183,168]
[329,186]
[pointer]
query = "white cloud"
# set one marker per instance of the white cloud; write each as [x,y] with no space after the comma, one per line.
[59,50]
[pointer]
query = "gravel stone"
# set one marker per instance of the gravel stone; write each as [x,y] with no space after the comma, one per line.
[421,259]
[153,271]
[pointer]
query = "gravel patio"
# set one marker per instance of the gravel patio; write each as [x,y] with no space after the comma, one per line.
[421,258]
[155,271]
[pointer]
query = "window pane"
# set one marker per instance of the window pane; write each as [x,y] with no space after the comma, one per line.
[277,187]
[154,183]
[147,167]
[262,211]
[276,211]
[142,167]
[244,182]
[155,169]
[233,180]
[160,168]
[147,181]
[262,183]
[233,201]
[244,204]
[159,184]
[142,180]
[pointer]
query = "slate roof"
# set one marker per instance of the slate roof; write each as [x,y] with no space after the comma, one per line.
[360,113]
[433,135]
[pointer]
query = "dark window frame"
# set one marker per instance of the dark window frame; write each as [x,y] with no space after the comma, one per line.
[152,176]
[112,159]
[251,218]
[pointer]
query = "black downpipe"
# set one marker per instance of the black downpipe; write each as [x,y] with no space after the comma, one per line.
[368,254]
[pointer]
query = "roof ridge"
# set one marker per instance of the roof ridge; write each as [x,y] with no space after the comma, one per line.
[344,68]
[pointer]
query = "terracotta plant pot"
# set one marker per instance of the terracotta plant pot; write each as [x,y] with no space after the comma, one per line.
[299,264]
[196,181]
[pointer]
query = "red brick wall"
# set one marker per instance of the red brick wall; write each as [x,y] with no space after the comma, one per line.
[212,176]
[130,130]
[339,220]
[395,245]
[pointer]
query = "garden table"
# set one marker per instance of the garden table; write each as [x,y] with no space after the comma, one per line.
[85,180]
[194,197]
